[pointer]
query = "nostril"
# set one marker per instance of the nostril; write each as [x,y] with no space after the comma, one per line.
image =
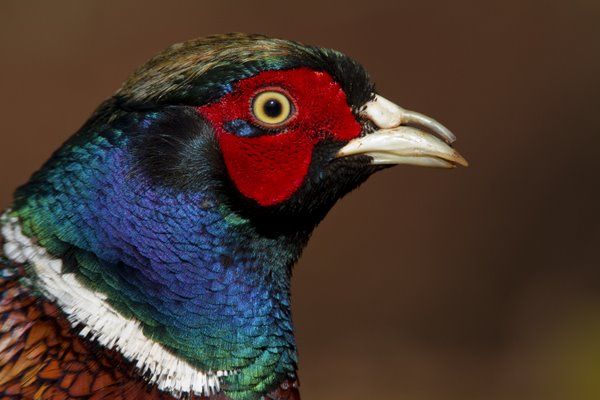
[385,114]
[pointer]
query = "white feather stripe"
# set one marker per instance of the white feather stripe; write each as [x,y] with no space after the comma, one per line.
[102,323]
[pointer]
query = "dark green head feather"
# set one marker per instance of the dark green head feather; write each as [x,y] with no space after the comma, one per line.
[201,70]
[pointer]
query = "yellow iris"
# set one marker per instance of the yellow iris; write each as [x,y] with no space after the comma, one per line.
[271,108]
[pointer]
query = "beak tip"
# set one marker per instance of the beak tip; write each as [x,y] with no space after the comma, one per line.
[460,160]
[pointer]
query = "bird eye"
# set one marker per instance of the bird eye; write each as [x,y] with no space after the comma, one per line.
[271,108]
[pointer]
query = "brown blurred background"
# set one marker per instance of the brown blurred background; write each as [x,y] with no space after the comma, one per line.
[478,283]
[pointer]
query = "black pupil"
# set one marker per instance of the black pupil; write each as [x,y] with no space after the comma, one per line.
[273,108]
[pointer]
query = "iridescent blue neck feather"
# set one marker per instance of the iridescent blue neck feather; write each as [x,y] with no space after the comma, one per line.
[201,279]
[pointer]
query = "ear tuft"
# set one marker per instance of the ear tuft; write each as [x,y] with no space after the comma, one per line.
[176,147]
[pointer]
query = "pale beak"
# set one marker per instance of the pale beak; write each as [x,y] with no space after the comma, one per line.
[397,143]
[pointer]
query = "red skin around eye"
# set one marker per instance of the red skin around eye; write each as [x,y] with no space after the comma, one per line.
[270,168]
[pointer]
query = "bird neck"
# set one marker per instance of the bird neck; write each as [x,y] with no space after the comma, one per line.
[179,272]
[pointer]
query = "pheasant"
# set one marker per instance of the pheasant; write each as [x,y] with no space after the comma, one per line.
[151,255]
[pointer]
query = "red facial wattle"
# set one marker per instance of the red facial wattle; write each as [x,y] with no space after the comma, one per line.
[269,168]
